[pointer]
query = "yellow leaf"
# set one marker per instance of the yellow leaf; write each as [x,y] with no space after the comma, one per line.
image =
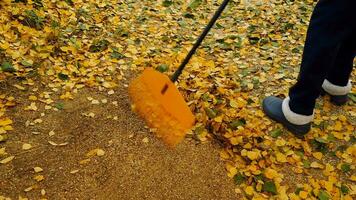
[232,171]
[338,126]
[280,142]
[316,165]
[234,104]
[100,152]
[5,122]
[6,160]
[8,128]
[303,194]
[234,140]
[96,152]
[85,161]
[19,87]
[32,98]
[39,178]
[252,155]
[2,151]
[338,135]
[249,190]
[271,173]
[4,45]
[218,119]
[66,95]
[37,169]
[52,143]
[281,157]
[318,155]
[74,171]
[329,186]
[28,189]
[353,178]
[26,146]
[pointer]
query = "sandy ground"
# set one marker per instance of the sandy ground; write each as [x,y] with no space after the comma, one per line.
[136,165]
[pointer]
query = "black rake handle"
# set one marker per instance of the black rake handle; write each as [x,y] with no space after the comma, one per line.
[180,69]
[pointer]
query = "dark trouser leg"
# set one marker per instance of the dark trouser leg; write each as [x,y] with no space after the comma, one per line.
[332,22]
[341,70]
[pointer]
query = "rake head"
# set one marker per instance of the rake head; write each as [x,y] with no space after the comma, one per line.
[157,100]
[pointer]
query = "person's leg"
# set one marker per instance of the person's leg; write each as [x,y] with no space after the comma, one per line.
[331,23]
[337,83]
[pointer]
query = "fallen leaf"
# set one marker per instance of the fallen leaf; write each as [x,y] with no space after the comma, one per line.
[39,178]
[51,133]
[145,140]
[52,143]
[26,146]
[74,171]
[316,165]
[37,169]
[6,160]
[100,152]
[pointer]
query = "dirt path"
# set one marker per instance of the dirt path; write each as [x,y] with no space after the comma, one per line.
[135,165]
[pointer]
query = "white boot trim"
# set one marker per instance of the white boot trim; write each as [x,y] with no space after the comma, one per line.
[335,89]
[293,117]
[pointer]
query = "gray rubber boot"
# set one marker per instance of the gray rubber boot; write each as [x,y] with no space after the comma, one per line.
[338,100]
[272,106]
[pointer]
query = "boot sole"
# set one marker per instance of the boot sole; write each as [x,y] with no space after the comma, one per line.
[333,99]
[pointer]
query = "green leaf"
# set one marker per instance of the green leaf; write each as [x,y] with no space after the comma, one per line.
[32,20]
[321,140]
[167,3]
[344,189]
[188,15]
[323,195]
[276,133]
[59,106]
[300,154]
[306,164]
[352,96]
[269,186]
[341,148]
[194,4]
[69,2]
[205,97]
[122,31]
[320,144]
[239,179]
[237,122]
[7,67]
[162,68]
[298,190]
[63,76]
[198,130]
[99,46]
[117,55]
[353,139]
[3,137]
[345,167]
[210,112]
[258,177]
[25,63]
[331,137]
[219,26]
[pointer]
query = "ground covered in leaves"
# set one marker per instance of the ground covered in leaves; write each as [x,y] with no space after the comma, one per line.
[50,51]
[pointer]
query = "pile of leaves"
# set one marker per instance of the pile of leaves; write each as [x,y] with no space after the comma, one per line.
[254,51]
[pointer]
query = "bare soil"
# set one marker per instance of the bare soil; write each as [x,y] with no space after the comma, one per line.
[136,165]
